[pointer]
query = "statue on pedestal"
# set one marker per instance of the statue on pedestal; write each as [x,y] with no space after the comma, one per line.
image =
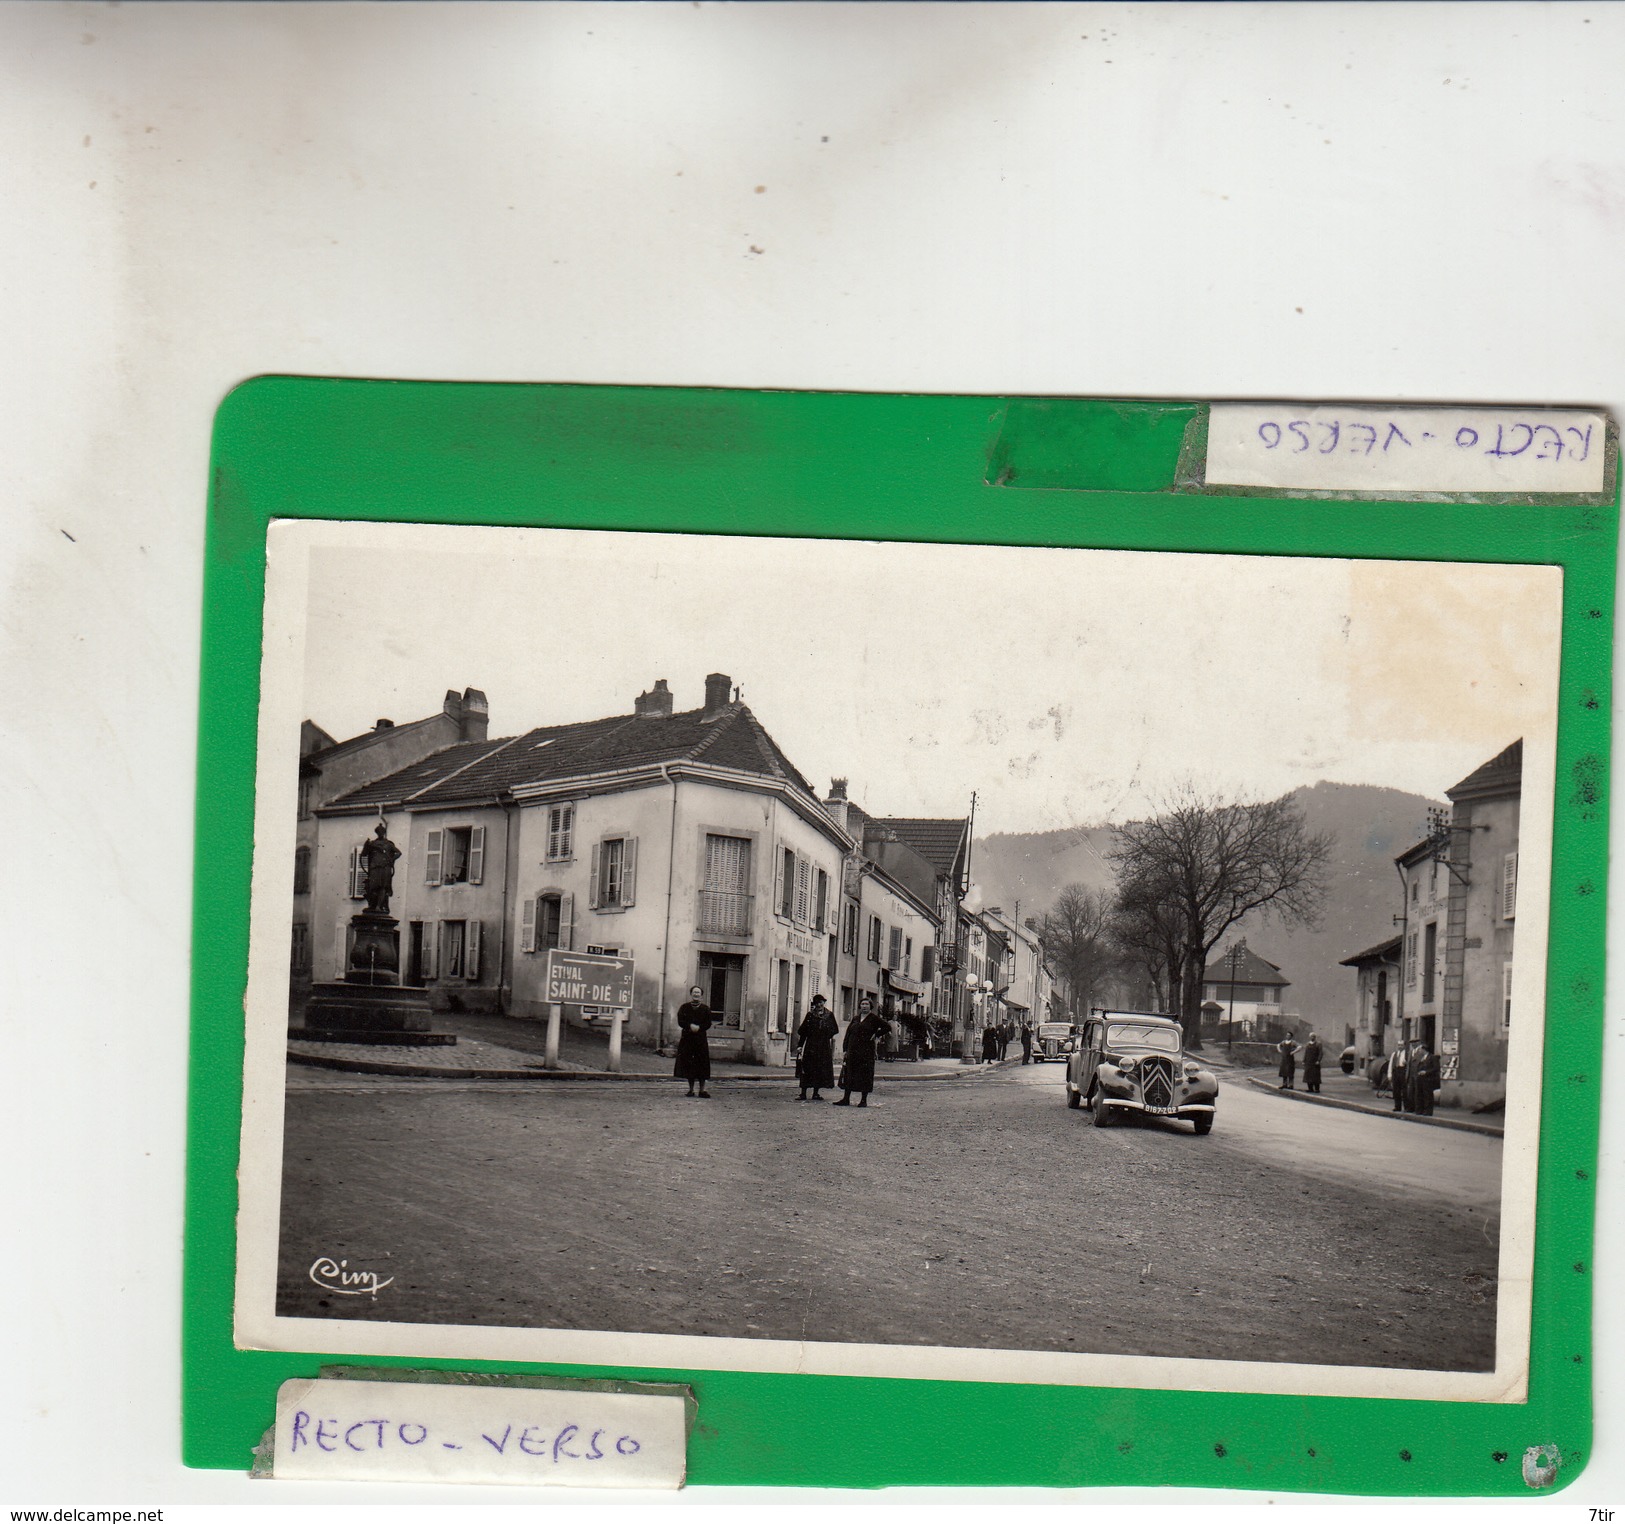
[378,858]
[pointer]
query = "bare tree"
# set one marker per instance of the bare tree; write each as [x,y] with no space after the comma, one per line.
[1148,933]
[1205,862]
[1077,942]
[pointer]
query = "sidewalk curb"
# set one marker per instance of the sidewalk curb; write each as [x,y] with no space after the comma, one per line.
[1372,1111]
[387,1067]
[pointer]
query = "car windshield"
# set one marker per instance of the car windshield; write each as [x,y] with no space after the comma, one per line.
[1135,1034]
[1055,1029]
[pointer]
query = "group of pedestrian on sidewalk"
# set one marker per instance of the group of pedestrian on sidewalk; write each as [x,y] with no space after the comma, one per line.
[1413,1078]
[996,1040]
[1313,1053]
[815,1049]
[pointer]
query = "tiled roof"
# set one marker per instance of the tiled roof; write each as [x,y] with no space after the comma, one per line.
[937,841]
[1381,950]
[481,770]
[1503,772]
[340,748]
[396,787]
[1254,970]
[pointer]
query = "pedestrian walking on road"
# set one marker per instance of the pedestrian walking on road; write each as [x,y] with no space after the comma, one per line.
[1396,1077]
[693,1051]
[1026,1042]
[815,1055]
[863,1036]
[1311,1065]
[1289,1062]
[990,1044]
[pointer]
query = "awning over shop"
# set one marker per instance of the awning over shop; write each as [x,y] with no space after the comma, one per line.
[901,986]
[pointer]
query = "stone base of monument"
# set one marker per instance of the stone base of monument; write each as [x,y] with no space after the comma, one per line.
[370,1005]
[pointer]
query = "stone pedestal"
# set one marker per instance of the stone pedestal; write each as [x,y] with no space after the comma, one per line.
[370,1005]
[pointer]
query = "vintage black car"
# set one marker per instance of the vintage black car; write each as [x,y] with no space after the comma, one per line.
[1130,1062]
[1053,1040]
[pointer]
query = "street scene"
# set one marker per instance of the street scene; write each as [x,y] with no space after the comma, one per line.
[991,1008]
[973,1212]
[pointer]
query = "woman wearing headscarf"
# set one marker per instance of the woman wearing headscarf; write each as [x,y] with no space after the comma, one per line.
[815,1053]
[693,1051]
[863,1036]
[1289,1062]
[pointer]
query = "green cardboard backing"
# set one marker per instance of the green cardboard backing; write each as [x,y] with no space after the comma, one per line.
[942,468]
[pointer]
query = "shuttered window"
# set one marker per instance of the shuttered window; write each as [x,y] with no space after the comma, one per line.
[1509,885]
[358,876]
[803,890]
[821,903]
[561,830]
[894,948]
[727,864]
[1506,998]
[432,855]
[471,962]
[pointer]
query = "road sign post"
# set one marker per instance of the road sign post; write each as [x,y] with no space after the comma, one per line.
[599,979]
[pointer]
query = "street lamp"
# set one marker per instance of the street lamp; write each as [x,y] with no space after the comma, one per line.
[1238,951]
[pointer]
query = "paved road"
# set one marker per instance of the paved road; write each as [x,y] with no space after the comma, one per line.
[975,1213]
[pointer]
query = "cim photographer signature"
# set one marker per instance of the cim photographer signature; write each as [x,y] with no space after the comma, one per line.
[336,1275]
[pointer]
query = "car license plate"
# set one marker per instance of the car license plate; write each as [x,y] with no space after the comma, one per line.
[1163,1111]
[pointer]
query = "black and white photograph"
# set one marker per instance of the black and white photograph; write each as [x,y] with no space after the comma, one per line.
[1008,963]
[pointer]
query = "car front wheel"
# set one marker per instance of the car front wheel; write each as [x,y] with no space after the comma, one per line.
[1073,1099]
[1103,1112]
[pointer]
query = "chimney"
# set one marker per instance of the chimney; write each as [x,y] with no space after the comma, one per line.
[470,711]
[837,789]
[383,724]
[655,704]
[718,687]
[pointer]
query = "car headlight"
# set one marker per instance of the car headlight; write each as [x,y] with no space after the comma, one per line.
[1192,1071]
[1125,1065]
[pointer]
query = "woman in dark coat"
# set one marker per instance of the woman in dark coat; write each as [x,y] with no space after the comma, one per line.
[863,1036]
[815,1057]
[1311,1065]
[990,1044]
[693,1051]
[1289,1062]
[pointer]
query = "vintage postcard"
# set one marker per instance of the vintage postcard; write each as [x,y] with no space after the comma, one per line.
[971,962]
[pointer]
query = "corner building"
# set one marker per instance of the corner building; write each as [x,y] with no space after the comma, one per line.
[686,841]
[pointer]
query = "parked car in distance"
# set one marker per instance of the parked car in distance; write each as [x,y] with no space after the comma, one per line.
[1053,1040]
[1128,1062]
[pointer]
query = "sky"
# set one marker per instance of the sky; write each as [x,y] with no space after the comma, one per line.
[1065,687]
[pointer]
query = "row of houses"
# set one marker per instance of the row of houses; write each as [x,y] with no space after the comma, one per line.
[1445,977]
[685,840]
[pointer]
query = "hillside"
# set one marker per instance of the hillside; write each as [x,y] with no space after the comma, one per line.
[1371,825]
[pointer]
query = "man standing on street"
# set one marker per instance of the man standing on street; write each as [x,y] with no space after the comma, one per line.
[1311,1065]
[1026,1042]
[1396,1075]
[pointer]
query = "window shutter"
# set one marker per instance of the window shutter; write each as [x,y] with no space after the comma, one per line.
[357,879]
[592,878]
[895,948]
[629,870]
[567,922]
[432,875]
[1509,885]
[527,931]
[778,883]
[341,949]
[1506,997]
[471,952]
[476,855]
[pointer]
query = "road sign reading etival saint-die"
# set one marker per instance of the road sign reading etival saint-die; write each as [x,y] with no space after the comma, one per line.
[589,979]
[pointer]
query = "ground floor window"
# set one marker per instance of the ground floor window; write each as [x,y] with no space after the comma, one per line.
[453,946]
[299,957]
[721,978]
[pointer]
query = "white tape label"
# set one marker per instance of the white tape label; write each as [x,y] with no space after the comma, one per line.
[409,1431]
[1332,448]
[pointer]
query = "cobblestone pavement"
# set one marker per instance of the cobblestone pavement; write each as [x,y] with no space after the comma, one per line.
[978,1214]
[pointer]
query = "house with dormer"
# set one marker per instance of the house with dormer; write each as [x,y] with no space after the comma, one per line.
[685,840]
